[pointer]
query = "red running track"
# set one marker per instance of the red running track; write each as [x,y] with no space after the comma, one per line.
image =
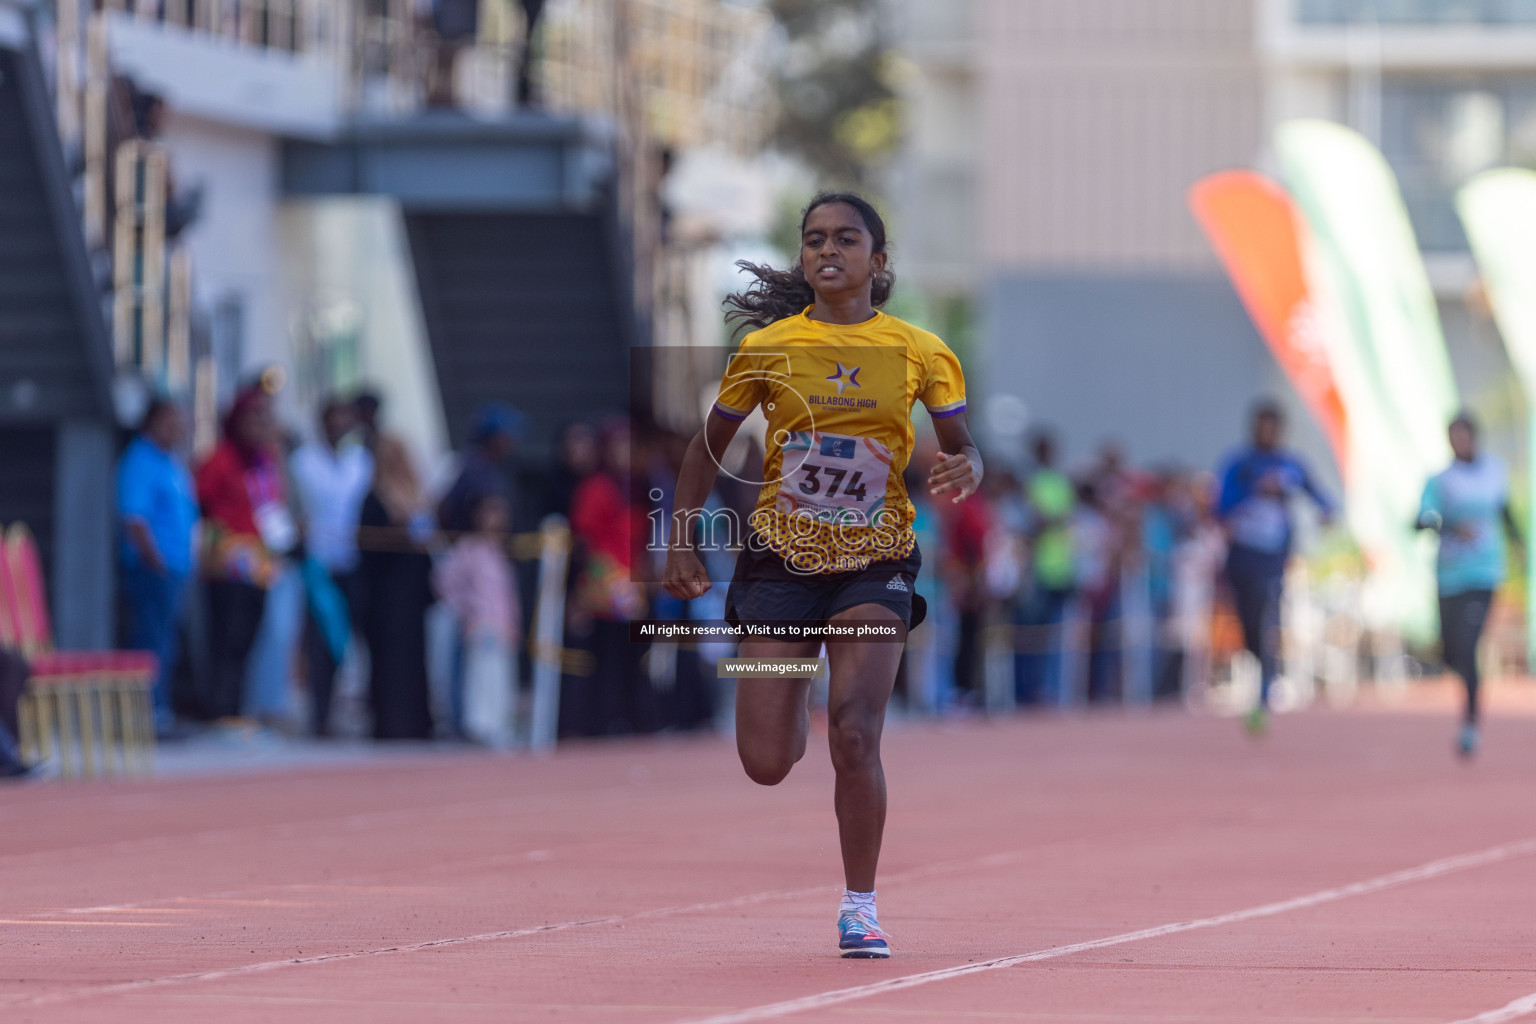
[1090,869]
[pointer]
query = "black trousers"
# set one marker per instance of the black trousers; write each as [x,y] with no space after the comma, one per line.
[1258,581]
[1462,617]
[234,617]
[968,653]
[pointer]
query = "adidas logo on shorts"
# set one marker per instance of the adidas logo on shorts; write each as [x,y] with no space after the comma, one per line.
[897,583]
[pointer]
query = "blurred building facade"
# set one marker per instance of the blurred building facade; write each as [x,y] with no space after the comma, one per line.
[1445,88]
[357,194]
[1078,129]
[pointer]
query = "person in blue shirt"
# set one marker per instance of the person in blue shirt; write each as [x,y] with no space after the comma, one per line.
[156,511]
[1467,504]
[1258,483]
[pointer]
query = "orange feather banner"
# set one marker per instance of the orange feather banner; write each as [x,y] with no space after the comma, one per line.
[1257,232]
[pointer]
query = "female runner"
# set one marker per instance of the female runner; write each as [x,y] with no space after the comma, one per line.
[1467,504]
[830,540]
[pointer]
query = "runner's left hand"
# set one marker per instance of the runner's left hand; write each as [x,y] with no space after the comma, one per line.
[955,473]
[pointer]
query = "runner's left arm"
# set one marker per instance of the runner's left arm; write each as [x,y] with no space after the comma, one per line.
[958,470]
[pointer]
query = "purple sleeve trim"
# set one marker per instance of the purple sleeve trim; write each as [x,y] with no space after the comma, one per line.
[733,416]
[947,412]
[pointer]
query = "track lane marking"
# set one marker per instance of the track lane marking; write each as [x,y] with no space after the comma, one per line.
[1430,870]
[1433,869]
[982,862]
[415,947]
[90,924]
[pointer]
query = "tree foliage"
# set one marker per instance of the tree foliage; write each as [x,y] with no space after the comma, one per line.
[837,110]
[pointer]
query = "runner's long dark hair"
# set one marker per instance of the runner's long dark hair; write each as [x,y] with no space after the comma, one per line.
[779,294]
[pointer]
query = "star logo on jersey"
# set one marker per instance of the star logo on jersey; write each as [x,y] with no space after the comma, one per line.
[846,378]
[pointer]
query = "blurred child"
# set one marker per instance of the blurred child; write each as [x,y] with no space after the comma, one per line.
[475,581]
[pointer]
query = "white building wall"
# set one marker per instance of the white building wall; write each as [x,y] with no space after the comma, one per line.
[1097,115]
[352,254]
[234,242]
[933,178]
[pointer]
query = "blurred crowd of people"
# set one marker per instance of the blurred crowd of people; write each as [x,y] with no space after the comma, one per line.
[290,565]
[275,558]
[1055,589]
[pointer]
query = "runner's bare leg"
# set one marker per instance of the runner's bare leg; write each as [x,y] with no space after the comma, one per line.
[772,721]
[863,675]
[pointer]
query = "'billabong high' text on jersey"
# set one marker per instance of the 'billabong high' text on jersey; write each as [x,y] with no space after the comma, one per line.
[838,399]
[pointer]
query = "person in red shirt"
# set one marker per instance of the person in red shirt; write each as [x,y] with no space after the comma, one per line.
[608,524]
[247,528]
[965,527]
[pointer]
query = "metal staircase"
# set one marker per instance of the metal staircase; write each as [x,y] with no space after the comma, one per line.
[522,308]
[56,414]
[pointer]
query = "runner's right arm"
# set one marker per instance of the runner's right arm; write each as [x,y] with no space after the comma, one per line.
[684,576]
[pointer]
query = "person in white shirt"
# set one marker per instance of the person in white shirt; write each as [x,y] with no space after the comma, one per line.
[331,478]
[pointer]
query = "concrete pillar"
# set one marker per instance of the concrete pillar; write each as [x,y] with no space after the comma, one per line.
[81,590]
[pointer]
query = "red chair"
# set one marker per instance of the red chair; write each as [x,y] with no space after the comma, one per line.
[93,707]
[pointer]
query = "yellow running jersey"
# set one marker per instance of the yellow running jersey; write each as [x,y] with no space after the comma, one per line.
[838,400]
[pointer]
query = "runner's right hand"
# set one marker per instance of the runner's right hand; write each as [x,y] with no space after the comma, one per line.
[684,576]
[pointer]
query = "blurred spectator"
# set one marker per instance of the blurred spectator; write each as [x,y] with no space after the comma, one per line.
[1115,482]
[182,206]
[157,510]
[1196,562]
[533,10]
[575,460]
[1050,502]
[270,673]
[13,680]
[366,407]
[247,530]
[1257,485]
[963,562]
[924,676]
[395,589]
[475,581]
[1005,540]
[1096,544]
[1163,520]
[331,478]
[454,24]
[685,690]
[608,525]
[483,472]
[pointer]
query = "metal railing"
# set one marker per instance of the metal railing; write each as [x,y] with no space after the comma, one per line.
[1415,12]
[125,197]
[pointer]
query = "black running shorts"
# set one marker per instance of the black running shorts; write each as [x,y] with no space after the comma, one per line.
[765,589]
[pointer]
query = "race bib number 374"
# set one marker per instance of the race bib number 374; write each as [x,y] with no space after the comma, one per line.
[834,477]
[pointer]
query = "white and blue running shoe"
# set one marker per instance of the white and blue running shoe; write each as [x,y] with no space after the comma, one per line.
[862,937]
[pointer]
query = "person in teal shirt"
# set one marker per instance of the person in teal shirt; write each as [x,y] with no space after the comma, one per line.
[1467,504]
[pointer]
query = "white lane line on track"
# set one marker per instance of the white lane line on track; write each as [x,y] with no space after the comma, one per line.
[415,947]
[978,863]
[990,860]
[1525,1006]
[1433,869]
